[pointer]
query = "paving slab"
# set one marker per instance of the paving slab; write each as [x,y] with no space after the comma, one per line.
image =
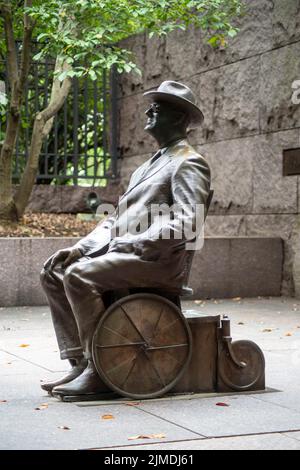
[24,427]
[196,423]
[243,415]
[293,435]
[256,442]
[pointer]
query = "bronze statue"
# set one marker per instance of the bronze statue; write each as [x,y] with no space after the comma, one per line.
[76,278]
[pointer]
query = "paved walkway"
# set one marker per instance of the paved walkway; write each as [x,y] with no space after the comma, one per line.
[28,352]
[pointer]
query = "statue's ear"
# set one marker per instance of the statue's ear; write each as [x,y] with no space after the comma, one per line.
[183,119]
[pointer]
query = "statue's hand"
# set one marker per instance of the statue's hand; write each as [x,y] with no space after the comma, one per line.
[147,250]
[120,245]
[66,257]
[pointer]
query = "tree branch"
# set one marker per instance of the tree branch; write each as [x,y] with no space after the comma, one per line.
[26,46]
[59,92]
[42,125]
[12,61]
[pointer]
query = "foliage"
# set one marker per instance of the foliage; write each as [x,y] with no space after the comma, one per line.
[85,34]
[89,30]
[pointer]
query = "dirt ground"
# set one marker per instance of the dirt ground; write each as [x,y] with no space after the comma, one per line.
[48,225]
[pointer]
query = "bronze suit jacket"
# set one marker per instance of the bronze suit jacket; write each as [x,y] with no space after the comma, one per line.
[179,176]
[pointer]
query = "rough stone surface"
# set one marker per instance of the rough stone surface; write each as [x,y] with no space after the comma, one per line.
[133,139]
[278,225]
[72,199]
[231,172]
[183,54]
[229,98]
[279,69]
[273,193]
[231,267]
[129,165]
[150,57]
[219,225]
[285,21]
[295,261]
[225,267]
[21,262]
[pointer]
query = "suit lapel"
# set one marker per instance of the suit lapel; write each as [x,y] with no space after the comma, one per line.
[155,167]
[151,169]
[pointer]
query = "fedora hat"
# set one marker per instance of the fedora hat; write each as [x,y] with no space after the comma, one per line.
[181,95]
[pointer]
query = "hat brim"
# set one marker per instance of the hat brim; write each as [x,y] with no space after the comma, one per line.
[193,110]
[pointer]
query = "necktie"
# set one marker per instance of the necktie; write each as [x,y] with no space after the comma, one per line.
[155,157]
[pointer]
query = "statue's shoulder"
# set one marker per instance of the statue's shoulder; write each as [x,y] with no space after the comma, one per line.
[185,152]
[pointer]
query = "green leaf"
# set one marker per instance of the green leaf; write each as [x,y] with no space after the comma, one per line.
[3,99]
[38,56]
[232,33]
[127,68]
[213,41]
[93,75]
[61,77]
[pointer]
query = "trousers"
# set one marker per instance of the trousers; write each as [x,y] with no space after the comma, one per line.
[75,295]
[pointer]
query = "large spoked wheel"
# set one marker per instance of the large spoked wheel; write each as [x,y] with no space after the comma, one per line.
[142,346]
[253,366]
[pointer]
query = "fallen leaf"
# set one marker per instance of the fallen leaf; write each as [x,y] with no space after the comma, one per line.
[132,403]
[147,436]
[288,334]
[24,345]
[43,406]
[65,428]
[107,417]
[222,404]
[267,330]
[241,323]
[3,401]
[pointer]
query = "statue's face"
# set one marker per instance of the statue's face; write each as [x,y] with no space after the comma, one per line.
[159,115]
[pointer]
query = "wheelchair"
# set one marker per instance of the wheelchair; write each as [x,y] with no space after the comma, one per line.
[145,347]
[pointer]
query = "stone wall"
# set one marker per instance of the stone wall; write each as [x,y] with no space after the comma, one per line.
[245,93]
[71,199]
[219,269]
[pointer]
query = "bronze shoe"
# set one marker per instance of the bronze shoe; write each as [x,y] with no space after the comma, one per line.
[88,383]
[77,369]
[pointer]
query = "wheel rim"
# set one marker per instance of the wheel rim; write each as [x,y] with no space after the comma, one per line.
[242,379]
[142,346]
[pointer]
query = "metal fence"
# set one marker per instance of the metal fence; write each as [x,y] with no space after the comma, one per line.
[82,146]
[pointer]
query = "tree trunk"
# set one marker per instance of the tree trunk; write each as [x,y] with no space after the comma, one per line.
[7,206]
[17,79]
[41,129]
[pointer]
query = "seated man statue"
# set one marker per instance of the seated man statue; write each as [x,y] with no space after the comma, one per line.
[74,279]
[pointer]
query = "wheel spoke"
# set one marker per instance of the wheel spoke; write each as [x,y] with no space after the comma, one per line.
[154,368]
[131,368]
[170,324]
[158,320]
[116,333]
[132,323]
[121,364]
[119,345]
[169,346]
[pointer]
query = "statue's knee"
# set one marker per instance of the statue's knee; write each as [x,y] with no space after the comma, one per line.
[44,276]
[72,276]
